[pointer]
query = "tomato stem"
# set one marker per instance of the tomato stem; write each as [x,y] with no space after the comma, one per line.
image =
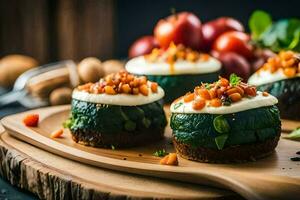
[173,12]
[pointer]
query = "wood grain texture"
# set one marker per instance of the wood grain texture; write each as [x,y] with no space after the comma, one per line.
[53,177]
[275,177]
[54,30]
[86,28]
[24,28]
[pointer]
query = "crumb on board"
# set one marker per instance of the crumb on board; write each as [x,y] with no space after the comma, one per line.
[57,133]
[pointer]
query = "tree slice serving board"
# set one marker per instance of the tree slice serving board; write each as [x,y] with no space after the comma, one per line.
[275,177]
[50,176]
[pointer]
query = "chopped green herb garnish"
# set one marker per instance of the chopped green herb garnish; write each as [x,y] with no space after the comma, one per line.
[294,135]
[113,147]
[221,125]
[234,80]
[207,85]
[221,140]
[177,105]
[160,153]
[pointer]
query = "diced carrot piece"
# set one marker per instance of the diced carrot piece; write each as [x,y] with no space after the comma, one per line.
[251,91]
[203,93]
[265,94]
[290,72]
[199,104]
[109,90]
[215,102]
[154,87]
[172,160]
[31,120]
[223,82]
[164,160]
[144,90]
[240,90]
[126,88]
[188,97]
[56,134]
[235,97]
[231,91]
[213,93]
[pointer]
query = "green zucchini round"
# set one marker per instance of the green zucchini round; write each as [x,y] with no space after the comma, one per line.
[199,133]
[178,85]
[116,126]
[288,94]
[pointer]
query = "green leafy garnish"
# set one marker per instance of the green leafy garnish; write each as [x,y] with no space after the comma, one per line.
[221,140]
[130,125]
[112,147]
[234,80]
[160,153]
[259,22]
[221,125]
[294,135]
[207,86]
[281,35]
[177,105]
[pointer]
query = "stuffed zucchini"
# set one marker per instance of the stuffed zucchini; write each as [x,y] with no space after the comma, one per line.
[226,121]
[176,69]
[121,110]
[280,76]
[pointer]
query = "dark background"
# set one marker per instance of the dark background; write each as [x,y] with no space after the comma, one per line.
[51,30]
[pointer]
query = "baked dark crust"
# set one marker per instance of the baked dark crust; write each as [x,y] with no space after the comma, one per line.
[238,153]
[116,140]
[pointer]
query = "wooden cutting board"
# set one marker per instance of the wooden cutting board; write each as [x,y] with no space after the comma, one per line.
[50,176]
[275,177]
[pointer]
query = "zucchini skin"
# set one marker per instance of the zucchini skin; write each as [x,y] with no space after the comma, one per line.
[178,85]
[246,127]
[92,122]
[288,94]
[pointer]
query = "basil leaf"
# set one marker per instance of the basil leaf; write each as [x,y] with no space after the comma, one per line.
[234,80]
[221,125]
[294,135]
[221,140]
[259,22]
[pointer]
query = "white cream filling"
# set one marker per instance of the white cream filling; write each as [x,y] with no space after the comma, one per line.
[119,99]
[140,65]
[245,104]
[265,76]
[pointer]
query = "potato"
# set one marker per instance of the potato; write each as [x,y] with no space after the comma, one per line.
[112,66]
[12,66]
[61,96]
[90,70]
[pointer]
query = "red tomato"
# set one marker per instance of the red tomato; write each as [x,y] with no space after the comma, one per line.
[142,46]
[212,29]
[182,28]
[31,120]
[234,41]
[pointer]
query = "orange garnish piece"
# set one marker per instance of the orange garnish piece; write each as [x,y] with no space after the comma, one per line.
[56,134]
[31,120]
[188,97]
